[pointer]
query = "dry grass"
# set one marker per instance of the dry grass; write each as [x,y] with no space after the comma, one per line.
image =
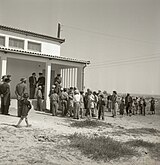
[90,123]
[153,148]
[150,131]
[101,148]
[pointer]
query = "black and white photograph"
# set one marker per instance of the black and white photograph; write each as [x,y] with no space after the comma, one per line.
[79,82]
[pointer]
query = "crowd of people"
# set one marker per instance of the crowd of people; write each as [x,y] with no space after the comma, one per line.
[93,104]
[70,101]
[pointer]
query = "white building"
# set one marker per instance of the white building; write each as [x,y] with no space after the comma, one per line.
[24,52]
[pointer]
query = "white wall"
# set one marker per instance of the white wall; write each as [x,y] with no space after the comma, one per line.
[49,47]
[52,49]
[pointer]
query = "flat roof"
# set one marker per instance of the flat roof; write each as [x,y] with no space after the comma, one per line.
[10,50]
[29,33]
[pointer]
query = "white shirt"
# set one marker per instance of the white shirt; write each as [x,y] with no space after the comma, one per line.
[77,97]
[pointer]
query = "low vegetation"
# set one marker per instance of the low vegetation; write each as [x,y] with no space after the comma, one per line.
[150,131]
[152,148]
[100,148]
[90,123]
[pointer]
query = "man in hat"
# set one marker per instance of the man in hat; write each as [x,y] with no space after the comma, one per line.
[21,88]
[32,85]
[5,95]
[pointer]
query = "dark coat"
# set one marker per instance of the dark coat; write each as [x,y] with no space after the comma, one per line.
[41,81]
[5,91]
[26,106]
[32,81]
[21,88]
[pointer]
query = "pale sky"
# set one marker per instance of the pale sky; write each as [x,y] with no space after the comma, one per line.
[121,38]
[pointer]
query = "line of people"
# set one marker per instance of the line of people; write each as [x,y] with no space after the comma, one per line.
[93,104]
[72,102]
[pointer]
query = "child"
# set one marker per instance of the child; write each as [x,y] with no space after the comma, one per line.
[122,106]
[39,98]
[101,105]
[26,106]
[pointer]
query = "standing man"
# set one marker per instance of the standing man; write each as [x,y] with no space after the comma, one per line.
[128,104]
[114,103]
[41,82]
[21,88]
[64,100]
[57,83]
[5,95]
[39,98]
[76,100]
[32,85]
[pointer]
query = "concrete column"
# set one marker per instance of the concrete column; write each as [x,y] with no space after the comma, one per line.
[47,83]
[79,78]
[4,65]
[75,77]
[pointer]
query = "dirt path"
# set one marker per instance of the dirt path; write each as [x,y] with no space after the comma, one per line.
[46,143]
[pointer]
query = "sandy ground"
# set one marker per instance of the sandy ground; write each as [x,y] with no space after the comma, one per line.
[45,143]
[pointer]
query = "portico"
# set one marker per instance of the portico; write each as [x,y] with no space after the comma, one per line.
[24,52]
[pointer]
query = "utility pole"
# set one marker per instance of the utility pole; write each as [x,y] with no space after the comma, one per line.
[59,30]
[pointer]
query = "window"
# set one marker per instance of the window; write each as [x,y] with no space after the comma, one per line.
[2,41]
[34,46]
[16,43]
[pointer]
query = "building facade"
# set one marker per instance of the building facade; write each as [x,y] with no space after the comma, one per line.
[24,52]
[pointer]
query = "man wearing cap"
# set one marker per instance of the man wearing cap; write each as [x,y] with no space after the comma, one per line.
[32,85]
[5,95]
[21,88]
